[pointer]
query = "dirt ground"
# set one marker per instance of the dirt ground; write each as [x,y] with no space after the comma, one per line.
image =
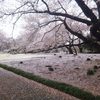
[68,68]
[15,87]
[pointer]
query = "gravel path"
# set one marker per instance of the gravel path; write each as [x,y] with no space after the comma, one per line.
[15,87]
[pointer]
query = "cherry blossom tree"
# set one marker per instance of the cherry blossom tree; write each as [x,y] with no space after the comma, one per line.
[56,14]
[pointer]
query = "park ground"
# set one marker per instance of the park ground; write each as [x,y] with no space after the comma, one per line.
[67,68]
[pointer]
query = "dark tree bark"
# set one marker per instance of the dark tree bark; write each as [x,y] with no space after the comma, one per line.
[69,49]
[80,48]
[95,28]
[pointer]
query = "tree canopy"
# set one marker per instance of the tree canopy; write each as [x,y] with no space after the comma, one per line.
[58,13]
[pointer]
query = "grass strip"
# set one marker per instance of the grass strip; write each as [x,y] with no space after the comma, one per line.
[66,88]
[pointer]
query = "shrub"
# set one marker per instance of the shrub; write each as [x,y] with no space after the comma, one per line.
[97,97]
[61,88]
[95,70]
[90,72]
[21,62]
[50,69]
[60,56]
[88,59]
[95,67]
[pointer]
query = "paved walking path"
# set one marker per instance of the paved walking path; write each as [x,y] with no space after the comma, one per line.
[15,87]
[19,57]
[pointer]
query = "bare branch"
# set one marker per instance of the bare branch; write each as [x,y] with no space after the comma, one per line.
[15,24]
[72,32]
[46,5]
[87,11]
[59,27]
[33,10]
[46,33]
[71,45]
[21,6]
[49,31]
[62,6]
[47,23]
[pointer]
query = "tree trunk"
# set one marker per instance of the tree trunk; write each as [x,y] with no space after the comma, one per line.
[80,48]
[75,51]
[70,49]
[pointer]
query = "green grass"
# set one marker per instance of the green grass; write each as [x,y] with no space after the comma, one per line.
[66,88]
[97,60]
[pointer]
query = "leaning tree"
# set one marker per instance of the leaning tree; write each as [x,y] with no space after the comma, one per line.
[57,11]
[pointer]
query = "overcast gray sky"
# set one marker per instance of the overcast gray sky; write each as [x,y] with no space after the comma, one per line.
[7,24]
